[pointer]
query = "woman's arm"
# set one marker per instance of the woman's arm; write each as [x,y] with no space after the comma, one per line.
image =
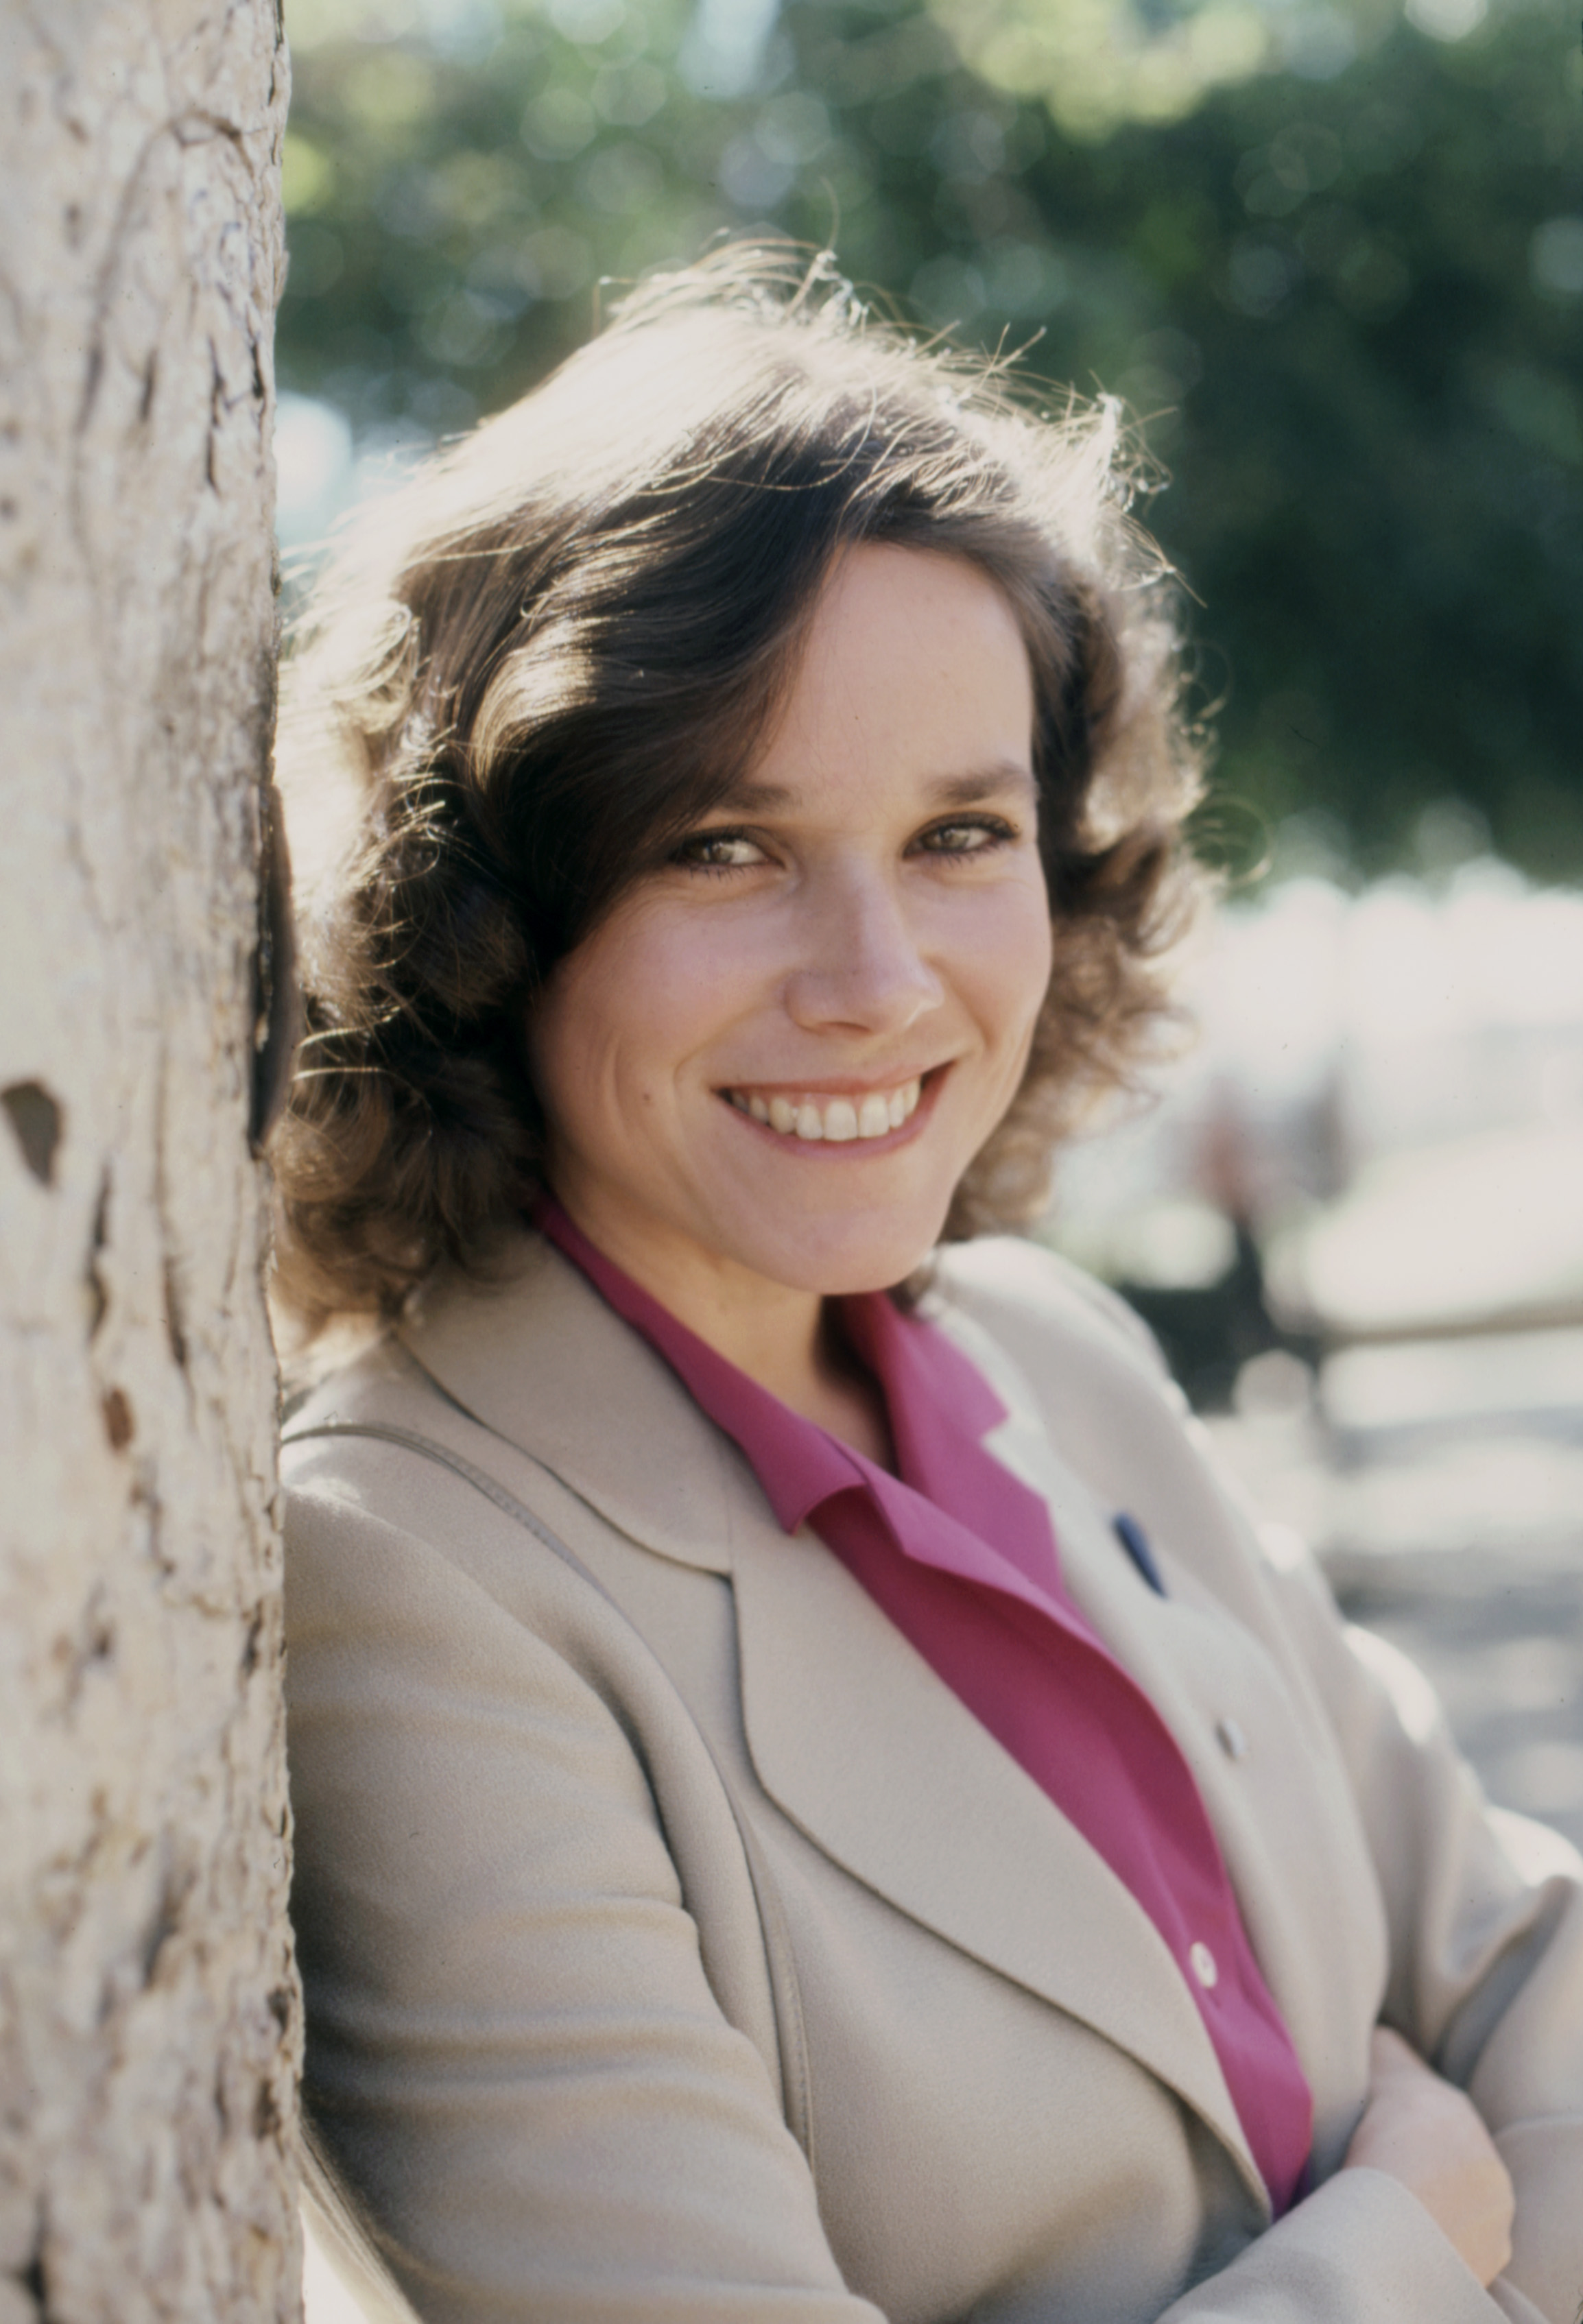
[1485,1919]
[551,2153]
[1418,2128]
[1484,1910]
[515,2057]
[1471,2175]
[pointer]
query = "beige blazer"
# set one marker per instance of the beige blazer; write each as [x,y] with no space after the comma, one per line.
[678,1946]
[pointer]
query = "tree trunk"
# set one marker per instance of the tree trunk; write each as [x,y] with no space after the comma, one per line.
[149,2015]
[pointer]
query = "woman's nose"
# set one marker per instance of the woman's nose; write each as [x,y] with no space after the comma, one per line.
[861,962]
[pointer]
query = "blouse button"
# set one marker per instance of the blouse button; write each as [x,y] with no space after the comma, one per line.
[1232,1740]
[1203,1962]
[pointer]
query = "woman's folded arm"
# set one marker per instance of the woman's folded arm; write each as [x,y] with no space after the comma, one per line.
[597,2139]
[1485,1911]
[515,2059]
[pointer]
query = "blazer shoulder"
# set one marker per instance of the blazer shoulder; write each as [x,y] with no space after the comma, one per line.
[1022,1292]
[372,1381]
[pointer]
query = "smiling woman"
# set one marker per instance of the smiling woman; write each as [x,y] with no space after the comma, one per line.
[530,673]
[812,1801]
[768,1069]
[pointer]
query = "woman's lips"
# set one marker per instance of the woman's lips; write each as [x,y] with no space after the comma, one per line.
[814,1118]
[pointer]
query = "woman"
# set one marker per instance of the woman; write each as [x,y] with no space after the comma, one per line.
[811,1800]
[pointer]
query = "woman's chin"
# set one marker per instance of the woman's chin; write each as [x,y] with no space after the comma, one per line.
[839,1260]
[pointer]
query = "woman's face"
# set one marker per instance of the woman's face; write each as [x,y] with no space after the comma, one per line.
[777,1056]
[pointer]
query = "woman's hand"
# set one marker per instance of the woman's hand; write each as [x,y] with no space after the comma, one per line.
[1428,2135]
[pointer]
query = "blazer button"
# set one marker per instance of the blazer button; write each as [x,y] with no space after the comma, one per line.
[1203,1962]
[1233,1741]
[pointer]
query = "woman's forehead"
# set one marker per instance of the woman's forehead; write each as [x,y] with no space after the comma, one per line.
[940,792]
[909,658]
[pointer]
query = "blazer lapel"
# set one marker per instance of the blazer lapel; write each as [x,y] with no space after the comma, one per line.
[850,1732]
[540,1360]
[871,1755]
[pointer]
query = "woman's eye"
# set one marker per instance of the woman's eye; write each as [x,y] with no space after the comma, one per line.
[719,851]
[972,838]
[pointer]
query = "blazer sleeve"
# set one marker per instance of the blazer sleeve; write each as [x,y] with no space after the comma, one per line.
[608,2144]
[1483,1908]
[1485,1915]
[596,2145]
[1485,1911]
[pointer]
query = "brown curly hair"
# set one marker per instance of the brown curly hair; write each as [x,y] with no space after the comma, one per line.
[530,667]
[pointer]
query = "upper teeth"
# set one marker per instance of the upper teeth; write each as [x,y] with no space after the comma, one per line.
[836,1118]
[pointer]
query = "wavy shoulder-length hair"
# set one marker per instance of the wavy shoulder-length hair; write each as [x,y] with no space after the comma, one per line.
[531,668]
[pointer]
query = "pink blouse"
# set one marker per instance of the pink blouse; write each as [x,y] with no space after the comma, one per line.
[960,1555]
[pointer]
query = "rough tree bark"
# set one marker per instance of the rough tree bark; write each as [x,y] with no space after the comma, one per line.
[148,2011]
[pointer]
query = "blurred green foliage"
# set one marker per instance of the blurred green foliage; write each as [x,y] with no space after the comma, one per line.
[1333,262]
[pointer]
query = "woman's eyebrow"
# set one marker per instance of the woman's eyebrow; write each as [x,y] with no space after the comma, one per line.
[967,790]
[756,798]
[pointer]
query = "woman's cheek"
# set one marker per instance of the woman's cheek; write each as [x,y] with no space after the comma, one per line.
[1013,954]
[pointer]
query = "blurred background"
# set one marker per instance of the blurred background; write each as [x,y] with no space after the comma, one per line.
[1330,255]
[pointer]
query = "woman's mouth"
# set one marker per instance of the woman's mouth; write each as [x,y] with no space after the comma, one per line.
[811,1116]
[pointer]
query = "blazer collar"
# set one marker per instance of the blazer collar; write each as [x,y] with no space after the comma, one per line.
[921,1804]
[537,1357]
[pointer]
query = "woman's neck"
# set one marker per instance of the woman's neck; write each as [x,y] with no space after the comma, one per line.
[789,1341]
